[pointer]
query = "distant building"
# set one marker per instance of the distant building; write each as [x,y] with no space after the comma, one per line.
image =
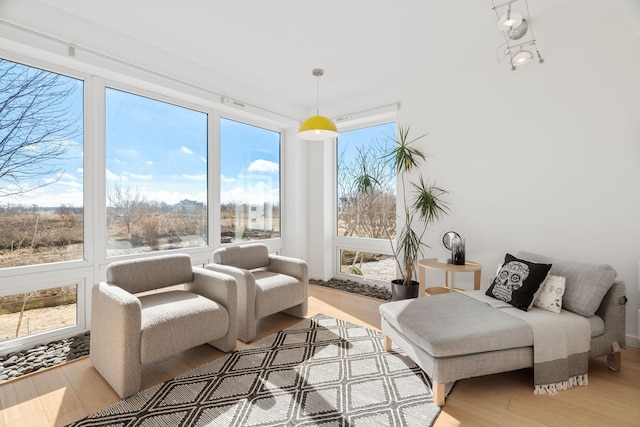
[189,206]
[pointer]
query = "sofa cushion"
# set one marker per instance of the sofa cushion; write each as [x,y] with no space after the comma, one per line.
[550,298]
[457,325]
[585,283]
[517,281]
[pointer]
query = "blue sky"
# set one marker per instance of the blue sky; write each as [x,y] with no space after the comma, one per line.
[155,148]
[348,142]
[65,187]
[250,163]
[160,150]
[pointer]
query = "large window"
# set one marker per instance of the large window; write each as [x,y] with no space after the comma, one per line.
[156,175]
[366,199]
[67,208]
[41,166]
[249,182]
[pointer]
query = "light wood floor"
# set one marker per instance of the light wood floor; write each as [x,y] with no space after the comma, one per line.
[69,392]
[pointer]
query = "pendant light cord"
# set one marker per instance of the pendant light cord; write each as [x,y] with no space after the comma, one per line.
[318,96]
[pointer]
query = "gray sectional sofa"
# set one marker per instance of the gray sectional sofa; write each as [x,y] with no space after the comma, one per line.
[456,336]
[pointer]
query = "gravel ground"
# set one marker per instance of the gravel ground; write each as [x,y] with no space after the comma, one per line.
[14,365]
[365,289]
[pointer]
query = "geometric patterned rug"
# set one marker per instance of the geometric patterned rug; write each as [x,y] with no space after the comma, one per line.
[319,372]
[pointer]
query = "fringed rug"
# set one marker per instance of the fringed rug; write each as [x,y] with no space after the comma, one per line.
[320,372]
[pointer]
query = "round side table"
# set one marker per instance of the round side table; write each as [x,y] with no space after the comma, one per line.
[449,274]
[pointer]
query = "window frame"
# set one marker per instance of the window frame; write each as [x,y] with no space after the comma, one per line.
[273,244]
[370,245]
[7,272]
[197,253]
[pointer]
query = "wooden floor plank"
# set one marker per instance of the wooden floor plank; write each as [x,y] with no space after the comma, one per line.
[74,390]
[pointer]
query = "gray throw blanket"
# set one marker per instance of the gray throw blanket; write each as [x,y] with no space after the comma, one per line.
[561,344]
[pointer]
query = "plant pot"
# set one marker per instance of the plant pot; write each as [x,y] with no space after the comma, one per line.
[400,291]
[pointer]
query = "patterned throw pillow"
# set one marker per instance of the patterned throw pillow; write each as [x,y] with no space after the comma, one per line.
[517,281]
[550,298]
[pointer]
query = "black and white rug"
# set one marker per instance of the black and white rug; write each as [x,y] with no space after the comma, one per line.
[319,372]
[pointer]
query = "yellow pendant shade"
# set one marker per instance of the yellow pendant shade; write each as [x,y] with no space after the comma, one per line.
[317,128]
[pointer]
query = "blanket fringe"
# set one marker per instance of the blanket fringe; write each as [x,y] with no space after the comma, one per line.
[552,389]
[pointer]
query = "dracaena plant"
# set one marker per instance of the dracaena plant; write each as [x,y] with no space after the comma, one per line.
[422,202]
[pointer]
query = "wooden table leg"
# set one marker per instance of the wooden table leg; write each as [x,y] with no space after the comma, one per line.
[421,278]
[476,279]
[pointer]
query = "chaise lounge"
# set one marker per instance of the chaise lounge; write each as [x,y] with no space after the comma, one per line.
[468,334]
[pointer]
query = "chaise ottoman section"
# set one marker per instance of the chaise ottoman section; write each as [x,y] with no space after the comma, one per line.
[456,325]
[459,338]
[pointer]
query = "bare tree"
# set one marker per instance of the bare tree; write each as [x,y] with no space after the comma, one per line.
[127,205]
[361,213]
[35,125]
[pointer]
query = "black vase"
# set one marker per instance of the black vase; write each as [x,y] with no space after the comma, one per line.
[457,251]
[400,291]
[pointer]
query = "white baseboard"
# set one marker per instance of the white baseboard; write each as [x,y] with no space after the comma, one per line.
[632,341]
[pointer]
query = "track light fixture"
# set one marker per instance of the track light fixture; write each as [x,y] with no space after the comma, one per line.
[516,26]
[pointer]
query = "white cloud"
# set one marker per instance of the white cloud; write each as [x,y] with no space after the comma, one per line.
[186,150]
[202,177]
[225,179]
[136,176]
[113,177]
[149,162]
[68,176]
[250,196]
[80,171]
[263,166]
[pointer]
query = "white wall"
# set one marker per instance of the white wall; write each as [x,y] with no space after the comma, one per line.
[546,158]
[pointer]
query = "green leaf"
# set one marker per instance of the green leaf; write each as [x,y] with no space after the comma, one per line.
[428,202]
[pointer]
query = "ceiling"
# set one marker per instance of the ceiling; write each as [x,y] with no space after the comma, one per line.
[363,45]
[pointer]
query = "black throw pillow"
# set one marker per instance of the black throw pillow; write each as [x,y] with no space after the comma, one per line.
[518,281]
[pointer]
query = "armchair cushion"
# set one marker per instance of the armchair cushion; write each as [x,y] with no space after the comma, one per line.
[145,274]
[248,257]
[276,292]
[169,331]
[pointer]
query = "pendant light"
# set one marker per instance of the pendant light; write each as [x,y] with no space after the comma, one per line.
[317,128]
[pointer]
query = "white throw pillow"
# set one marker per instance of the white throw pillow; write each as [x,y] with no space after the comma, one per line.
[550,298]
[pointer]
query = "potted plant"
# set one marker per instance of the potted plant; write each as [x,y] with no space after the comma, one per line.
[421,206]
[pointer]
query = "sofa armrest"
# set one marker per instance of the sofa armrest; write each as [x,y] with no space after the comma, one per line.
[246,284]
[116,321]
[293,267]
[612,311]
[221,288]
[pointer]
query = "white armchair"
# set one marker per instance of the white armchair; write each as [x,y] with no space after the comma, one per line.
[267,284]
[129,329]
